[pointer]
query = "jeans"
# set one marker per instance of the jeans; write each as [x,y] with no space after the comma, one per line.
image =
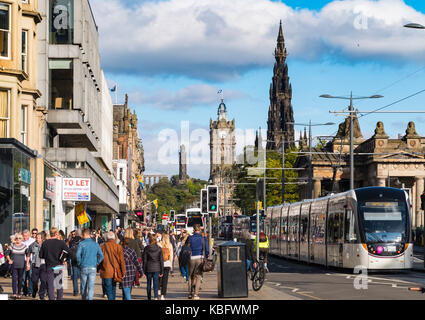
[111,288]
[185,272]
[76,274]
[163,282]
[26,281]
[54,281]
[39,274]
[152,277]
[126,293]
[17,276]
[88,278]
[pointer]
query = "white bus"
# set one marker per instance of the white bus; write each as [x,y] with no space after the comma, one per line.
[194,216]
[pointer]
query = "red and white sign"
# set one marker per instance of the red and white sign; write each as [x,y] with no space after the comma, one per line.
[164,217]
[76,189]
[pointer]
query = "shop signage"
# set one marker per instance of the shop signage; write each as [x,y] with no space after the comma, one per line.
[50,188]
[76,189]
[24,176]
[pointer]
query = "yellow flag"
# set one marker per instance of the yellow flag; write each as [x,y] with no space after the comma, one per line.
[155,202]
[81,214]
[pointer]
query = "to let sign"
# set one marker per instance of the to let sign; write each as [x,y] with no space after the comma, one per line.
[76,189]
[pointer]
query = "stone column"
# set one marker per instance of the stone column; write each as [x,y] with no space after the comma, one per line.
[317,188]
[419,189]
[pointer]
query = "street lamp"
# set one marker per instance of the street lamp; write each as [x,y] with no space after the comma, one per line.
[351,111]
[310,173]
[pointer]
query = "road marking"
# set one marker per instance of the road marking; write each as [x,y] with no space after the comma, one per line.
[277,284]
[295,290]
[308,295]
[394,285]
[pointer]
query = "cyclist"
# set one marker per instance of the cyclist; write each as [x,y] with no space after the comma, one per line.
[264,247]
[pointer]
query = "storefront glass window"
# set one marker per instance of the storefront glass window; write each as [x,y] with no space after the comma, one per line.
[21,192]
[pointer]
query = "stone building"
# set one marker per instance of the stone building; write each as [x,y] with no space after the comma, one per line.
[280,110]
[21,119]
[222,157]
[378,161]
[128,163]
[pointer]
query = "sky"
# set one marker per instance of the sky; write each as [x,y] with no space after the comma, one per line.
[173,56]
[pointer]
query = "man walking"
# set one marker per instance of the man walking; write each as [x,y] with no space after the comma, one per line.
[29,239]
[75,270]
[112,269]
[89,255]
[52,250]
[38,267]
[197,244]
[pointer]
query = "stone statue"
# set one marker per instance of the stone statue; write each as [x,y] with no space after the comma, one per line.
[411,131]
[379,131]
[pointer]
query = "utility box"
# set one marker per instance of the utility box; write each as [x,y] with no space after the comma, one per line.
[232,274]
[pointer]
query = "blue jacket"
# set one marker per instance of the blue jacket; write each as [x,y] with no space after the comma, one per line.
[195,242]
[89,254]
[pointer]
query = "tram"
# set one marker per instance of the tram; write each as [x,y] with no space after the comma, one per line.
[369,227]
[243,224]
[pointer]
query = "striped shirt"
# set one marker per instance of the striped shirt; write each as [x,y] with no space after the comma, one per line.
[18,255]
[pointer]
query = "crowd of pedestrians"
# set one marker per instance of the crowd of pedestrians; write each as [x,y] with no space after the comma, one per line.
[38,262]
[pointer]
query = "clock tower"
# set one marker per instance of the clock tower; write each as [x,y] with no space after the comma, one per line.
[222,157]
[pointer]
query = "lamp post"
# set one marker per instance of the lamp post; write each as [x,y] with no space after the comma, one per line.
[352,112]
[417,26]
[310,171]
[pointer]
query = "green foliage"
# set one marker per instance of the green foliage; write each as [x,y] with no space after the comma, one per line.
[246,193]
[170,195]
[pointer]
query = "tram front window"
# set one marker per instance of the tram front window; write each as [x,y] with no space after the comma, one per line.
[384,222]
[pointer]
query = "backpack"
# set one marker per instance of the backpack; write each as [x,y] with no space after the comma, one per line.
[185,255]
[73,252]
[263,237]
[166,254]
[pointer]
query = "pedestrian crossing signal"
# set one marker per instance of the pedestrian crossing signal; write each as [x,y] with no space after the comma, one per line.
[212,199]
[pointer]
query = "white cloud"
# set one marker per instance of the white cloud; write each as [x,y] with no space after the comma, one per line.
[185,98]
[218,39]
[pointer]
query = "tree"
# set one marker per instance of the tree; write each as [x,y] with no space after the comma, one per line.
[245,191]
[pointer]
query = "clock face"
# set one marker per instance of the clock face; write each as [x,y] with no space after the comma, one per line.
[222,134]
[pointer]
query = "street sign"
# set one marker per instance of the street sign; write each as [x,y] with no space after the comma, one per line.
[76,189]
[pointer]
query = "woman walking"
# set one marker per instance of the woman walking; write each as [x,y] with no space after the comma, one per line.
[184,252]
[167,254]
[19,262]
[131,264]
[153,265]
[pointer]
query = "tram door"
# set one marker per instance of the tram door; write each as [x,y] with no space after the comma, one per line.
[336,232]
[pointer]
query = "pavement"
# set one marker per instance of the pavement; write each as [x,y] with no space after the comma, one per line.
[177,290]
[418,258]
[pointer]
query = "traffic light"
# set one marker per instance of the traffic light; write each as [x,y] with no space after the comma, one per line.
[172,214]
[212,199]
[204,200]
[260,189]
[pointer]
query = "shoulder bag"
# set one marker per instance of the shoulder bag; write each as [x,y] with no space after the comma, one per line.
[207,264]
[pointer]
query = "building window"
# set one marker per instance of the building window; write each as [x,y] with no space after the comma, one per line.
[61,21]
[4,113]
[24,128]
[61,83]
[24,50]
[26,1]
[4,31]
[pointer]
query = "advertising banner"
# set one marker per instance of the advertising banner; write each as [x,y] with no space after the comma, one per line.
[81,214]
[76,189]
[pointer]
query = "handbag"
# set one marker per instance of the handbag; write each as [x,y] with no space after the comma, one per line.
[116,277]
[207,265]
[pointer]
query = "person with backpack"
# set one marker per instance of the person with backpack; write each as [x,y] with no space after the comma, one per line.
[264,246]
[197,245]
[167,253]
[75,269]
[88,257]
[184,252]
[153,265]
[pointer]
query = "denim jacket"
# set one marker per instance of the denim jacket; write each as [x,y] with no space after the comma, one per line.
[89,254]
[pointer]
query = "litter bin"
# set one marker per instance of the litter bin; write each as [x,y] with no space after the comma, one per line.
[232,275]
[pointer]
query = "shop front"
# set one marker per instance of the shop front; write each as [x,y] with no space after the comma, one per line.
[16,176]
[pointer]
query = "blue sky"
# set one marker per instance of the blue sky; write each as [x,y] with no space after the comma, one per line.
[172,57]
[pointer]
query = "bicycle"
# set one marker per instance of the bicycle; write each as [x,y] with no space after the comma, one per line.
[257,274]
